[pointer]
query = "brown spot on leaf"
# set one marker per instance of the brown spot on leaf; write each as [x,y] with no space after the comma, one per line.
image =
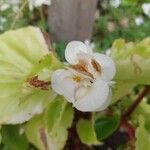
[43,138]
[35,82]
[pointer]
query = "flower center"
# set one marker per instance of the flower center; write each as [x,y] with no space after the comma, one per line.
[90,67]
[83,70]
[77,78]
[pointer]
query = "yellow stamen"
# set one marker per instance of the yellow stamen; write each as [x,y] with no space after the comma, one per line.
[77,78]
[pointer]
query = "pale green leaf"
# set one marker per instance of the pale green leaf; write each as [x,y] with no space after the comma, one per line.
[132,61]
[50,129]
[24,54]
[86,132]
[121,89]
[142,136]
[54,112]
[144,109]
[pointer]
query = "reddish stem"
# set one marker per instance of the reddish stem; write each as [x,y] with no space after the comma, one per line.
[130,110]
[128,128]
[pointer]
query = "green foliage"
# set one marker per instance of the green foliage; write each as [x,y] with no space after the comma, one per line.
[121,89]
[115,23]
[144,109]
[60,50]
[106,125]
[50,129]
[86,132]
[57,110]
[142,136]
[20,13]
[133,2]
[54,112]
[13,139]
[132,61]
[17,67]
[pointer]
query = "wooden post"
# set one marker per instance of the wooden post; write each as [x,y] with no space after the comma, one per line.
[71,19]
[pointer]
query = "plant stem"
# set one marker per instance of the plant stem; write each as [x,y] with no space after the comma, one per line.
[18,14]
[42,17]
[130,110]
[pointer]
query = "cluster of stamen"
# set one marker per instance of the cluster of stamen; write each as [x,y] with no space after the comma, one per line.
[82,67]
[96,65]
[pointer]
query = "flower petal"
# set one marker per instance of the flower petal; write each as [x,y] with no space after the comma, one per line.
[73,48]
[107,64]
[92,98]
[63,84]
[57,78]
[106,104]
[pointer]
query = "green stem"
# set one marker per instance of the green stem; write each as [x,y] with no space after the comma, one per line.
[18,14]
[131,109]
[42,16]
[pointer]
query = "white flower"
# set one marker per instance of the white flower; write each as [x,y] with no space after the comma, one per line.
[15,8]
[86,83]
[139,21]
[14,2]
[88,43]
[146,9]
[4,7]
[38,3]
[115,3]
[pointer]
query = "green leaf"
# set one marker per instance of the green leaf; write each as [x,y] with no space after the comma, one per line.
[54,112]
[60,50]
[46,65]
[0,136]
[50,129]
[86,132]
[144,109]
[142,136]
[35,131]
[68,114]
[121,89]
[24,54]
[132,61]
[13,139]
[106,125]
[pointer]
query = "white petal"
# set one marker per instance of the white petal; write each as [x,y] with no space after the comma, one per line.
[107,64]
[63,84]
[69,86]
[106,104]
[57,78]
[92,98]
[73,48]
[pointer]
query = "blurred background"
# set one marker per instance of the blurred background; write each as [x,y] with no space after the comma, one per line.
[97,22]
